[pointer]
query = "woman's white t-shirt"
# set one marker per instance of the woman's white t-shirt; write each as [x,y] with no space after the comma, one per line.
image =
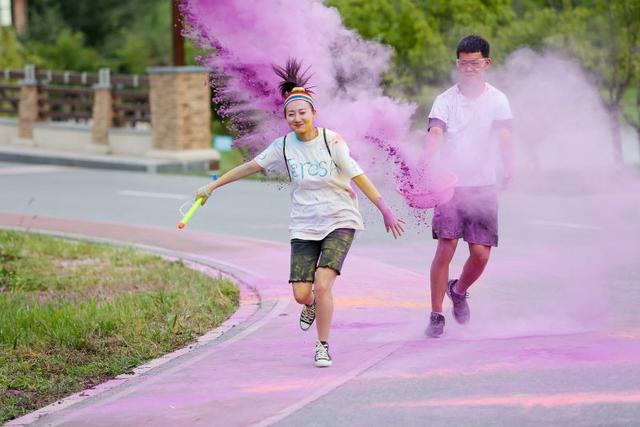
[322,199]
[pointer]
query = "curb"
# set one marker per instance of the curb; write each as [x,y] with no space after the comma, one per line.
[108,162]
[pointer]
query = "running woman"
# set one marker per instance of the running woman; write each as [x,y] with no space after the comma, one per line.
[324,207]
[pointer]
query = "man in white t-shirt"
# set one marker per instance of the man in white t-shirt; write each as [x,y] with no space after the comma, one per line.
[467,125]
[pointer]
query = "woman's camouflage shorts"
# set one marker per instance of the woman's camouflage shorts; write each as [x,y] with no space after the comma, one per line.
[330,252]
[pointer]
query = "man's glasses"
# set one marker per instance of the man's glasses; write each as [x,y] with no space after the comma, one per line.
[473,63]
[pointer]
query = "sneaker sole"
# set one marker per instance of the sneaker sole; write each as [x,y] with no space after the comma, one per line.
[305,326]
[461,321]
[323,363]
[433,336]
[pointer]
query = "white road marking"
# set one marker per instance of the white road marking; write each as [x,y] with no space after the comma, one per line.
[133,193]
[566,225]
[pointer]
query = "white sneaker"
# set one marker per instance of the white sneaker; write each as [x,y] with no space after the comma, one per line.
[322,358]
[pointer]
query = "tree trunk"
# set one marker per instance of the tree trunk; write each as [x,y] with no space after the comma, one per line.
[614,127]
[636,123]
[19,15]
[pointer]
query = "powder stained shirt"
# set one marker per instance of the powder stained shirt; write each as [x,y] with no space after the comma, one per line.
[322,199]
[470,143]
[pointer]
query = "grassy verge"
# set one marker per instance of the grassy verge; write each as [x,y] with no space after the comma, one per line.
[73,314]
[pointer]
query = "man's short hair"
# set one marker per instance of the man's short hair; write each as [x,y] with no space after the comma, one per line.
[473,43]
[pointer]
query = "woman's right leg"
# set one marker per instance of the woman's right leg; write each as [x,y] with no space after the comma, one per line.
[304,257]
[302,292]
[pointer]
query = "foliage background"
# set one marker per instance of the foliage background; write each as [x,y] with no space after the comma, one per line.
[602,35]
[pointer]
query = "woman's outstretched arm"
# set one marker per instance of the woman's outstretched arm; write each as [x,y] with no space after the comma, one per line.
[234,174]
[391,223]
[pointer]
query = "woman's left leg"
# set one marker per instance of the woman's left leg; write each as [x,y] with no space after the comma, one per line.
[325,278]
[334,251]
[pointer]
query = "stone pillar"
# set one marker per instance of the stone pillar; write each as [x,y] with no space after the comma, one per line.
[102,109]
[180,108]
[28,107]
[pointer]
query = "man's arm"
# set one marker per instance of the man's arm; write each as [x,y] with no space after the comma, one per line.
[431,146]
[507,153]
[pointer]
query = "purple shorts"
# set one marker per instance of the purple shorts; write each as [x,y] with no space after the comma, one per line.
[472,214]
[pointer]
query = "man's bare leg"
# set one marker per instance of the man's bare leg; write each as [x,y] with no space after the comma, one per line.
[473,267]
[440,271]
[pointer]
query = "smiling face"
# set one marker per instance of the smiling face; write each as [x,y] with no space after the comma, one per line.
[300,116]
[472,66]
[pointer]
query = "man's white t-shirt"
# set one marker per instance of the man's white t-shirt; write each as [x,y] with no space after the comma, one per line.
[470,143]
[322,199]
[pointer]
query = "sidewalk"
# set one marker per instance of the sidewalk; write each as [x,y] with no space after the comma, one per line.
[186,161]
[263,371]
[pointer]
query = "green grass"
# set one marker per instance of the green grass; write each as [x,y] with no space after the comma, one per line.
[73,314]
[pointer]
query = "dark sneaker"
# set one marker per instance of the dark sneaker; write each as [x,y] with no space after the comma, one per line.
[322,358]
[460,307]
[307,316]
[436,325]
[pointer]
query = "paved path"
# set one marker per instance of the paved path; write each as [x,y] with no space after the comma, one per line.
[555,337]
[385,371]
[268,372]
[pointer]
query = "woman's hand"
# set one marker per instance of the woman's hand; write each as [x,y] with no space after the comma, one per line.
[391,223]
[204,192]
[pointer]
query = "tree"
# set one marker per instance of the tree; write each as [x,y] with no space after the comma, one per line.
[19,15]
[423,35]
[98,20]
[128,36]
[607,43]
[13,54]
[69,52]
[419,54]
[632,115]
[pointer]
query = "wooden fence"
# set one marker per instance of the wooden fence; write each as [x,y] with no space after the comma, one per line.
[69,96]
